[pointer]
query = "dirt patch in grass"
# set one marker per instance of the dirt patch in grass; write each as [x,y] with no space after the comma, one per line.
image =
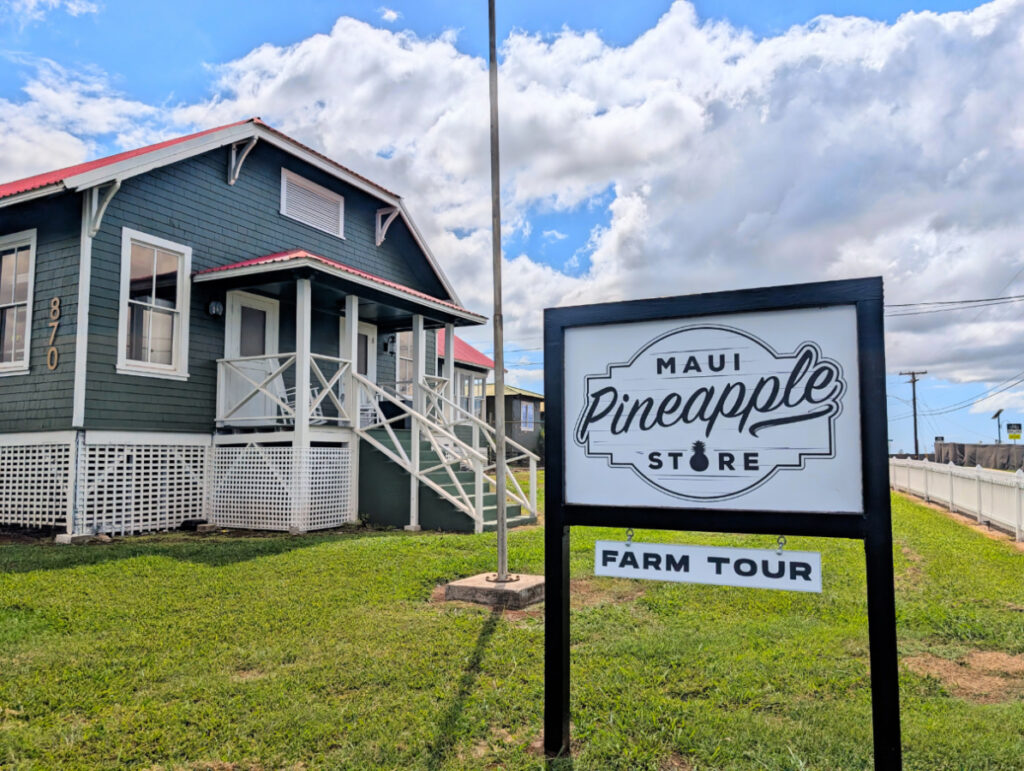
[986,530]
[985,677]
[675,762]
[588,592]
[911,577]
[244,675]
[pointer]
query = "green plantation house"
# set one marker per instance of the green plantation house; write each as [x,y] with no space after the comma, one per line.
[230,327]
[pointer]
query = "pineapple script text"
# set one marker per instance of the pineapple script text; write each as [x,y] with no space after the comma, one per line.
[711,411]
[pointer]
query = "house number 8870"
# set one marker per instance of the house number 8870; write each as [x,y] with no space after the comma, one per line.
[51,352]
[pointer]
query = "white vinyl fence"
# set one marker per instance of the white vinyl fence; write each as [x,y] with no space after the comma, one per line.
[991,497]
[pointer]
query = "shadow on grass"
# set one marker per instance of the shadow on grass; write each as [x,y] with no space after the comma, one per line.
[447,725]
[209,550]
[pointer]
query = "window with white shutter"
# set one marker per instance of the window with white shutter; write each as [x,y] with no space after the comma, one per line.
[312,204]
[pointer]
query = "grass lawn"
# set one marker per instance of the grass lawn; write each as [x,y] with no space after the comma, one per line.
[325,651]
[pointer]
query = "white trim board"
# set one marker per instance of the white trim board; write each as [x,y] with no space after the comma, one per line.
[305,262]
[82,319]
[37,437]
[146,437]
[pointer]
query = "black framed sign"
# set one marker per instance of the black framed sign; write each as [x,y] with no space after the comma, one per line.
[754,411]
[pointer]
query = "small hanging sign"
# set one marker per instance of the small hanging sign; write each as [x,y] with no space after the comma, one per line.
[795,571]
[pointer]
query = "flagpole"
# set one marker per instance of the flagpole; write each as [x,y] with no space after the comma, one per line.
[497,319]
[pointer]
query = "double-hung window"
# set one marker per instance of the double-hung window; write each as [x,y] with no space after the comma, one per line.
[17,269]
[153,332]
[526,416]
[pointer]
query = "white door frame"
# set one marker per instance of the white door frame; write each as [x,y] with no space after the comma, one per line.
[260,405]
[370,330]
[233,320]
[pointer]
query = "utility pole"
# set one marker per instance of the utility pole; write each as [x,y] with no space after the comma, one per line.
[913,390]
[999,426]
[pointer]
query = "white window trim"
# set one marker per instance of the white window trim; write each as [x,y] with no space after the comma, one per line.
[126,366]
[6,242]
[301,181]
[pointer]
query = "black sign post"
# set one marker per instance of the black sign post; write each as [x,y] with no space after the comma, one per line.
[684,511]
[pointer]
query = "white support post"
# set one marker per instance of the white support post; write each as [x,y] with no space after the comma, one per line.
[350,351]
[419,364]
[478,495]
[300,442]
[977,480]
[949,468]
[925,472]
[1019,530]
[533,487]
[414,481]
[449,370]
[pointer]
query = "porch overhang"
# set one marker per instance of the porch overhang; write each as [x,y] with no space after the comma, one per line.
[299,263]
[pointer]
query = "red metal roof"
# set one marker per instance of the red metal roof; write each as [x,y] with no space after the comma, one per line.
[302,254]
[464,352]
[59,175]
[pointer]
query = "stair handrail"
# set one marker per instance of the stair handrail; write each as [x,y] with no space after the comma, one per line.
[490,434]
[463,501]
[489,429]
[377,390]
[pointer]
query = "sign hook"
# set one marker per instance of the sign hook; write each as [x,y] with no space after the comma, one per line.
[629,536]
[781,544]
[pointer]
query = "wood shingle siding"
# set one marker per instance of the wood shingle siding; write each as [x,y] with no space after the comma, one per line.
[41,399]
[190,203]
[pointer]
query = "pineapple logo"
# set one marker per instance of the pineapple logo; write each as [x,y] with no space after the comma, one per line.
[699,461]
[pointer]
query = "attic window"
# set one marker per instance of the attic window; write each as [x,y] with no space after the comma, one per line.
[312,204]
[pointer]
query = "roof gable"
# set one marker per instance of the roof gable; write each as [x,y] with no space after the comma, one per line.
[135,162]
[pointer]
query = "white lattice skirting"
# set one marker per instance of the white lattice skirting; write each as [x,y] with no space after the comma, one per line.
[262,487]
[35,484]
[122,489]
[138,488]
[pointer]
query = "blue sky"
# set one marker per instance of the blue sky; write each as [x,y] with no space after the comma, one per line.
[627,197]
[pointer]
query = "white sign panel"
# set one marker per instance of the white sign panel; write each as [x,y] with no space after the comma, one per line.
[795,571]
[753,411]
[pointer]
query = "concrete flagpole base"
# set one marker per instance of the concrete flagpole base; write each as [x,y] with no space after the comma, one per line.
[483,589]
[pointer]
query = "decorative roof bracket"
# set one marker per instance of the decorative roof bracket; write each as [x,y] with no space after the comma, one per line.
[98,208]
[238,158]
[385,217]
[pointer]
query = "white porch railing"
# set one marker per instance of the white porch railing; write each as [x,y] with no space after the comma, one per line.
[989,496]
[259,391]
[451,414]
[453,454]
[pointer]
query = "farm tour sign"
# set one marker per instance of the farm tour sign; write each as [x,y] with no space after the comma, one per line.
[709,411]
[798,571]
[758,411]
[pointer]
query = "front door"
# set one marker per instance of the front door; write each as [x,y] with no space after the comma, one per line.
[366,354]
[250,339]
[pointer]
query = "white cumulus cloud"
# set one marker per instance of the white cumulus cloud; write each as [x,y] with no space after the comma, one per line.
[843,147]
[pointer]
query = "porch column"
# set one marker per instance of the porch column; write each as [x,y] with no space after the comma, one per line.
[300,443]
[350,351]
[419,363]
[419,350]
[449,369]
[303,335]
